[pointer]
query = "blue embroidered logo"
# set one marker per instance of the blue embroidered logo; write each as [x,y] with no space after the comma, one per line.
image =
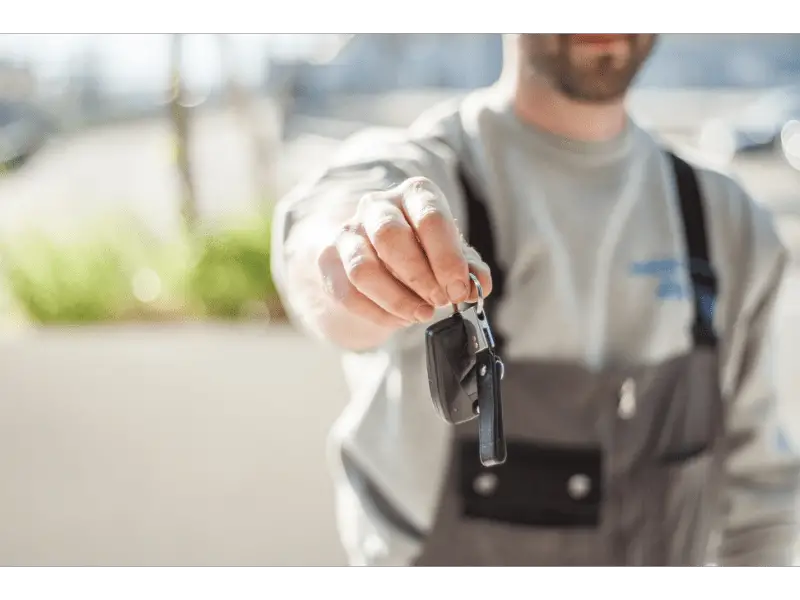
[666,271]
[672,284]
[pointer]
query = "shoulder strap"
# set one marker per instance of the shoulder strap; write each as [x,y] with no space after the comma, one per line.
[701,271]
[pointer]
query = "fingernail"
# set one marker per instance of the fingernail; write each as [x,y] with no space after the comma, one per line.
[439,298]
[423,313]
[457,291]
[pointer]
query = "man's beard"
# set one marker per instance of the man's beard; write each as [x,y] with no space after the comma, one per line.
[598,79]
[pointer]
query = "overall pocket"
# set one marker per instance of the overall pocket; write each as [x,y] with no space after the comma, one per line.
[544,486]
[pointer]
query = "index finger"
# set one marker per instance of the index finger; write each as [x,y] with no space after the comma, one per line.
[429,214]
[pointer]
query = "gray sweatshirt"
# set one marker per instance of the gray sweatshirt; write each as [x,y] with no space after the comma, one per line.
[594,249]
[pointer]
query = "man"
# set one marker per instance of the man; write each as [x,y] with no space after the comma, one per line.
[631,297]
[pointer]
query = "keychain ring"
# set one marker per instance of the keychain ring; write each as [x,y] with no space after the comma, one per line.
[480,292]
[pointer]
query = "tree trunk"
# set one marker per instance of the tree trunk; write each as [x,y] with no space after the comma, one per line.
[180,123]
[261,144]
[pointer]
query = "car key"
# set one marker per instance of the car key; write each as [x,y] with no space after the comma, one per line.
[464,375]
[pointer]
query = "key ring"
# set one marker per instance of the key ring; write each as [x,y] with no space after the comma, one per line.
[480,293]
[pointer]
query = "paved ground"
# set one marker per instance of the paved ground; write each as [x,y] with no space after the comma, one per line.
[167,445]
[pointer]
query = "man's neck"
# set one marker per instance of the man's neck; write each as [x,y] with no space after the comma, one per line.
[543,107]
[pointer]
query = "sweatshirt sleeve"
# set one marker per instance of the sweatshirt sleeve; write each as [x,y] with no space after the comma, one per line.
[762,468]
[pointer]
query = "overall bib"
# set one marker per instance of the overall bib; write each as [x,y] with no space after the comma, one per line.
[612,467]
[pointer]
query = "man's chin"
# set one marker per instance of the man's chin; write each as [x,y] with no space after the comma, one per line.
[593,97]
[602,87]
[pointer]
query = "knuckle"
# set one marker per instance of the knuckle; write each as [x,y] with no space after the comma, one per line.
[430,218]
[361,269]
[389,233]
[451,265]
[368,201]
[364,202]
[347,229]
[418,183]
[403,306]
[415,279]
[419,277]
[353,247]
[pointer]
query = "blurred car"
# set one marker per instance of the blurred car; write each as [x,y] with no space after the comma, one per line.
[23,131]
[374,64]
[757,127]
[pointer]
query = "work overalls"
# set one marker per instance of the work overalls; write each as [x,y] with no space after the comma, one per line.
[613,467]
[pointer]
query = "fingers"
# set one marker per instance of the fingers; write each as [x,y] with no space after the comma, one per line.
[396,245]
[401,256]
[338,286]
[367,274]
[429,215]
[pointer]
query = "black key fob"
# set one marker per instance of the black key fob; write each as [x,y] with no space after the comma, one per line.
[451,367]
[464,375]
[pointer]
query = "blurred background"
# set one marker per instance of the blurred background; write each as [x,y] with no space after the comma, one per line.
[155,406]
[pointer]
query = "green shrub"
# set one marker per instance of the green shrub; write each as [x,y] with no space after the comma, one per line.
[230,272]
[116,270]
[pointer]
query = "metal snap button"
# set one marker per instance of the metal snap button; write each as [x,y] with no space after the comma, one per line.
[579,486]
[626,408]
[485,484]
